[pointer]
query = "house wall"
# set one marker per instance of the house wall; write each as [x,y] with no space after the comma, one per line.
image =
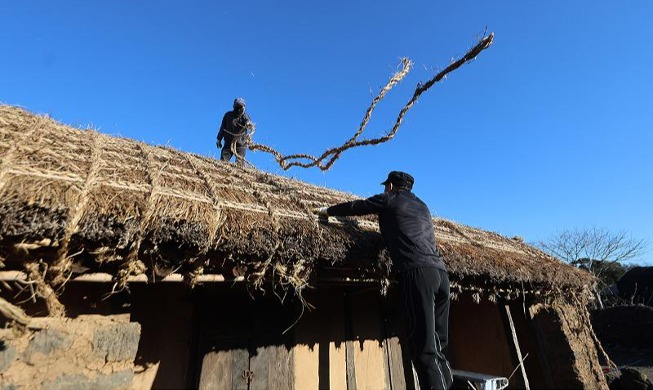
[481,340]
[166,312]
[216,336]
[340,343]
[555,343]
[477,338]
[90,351]
[349,340]
[241,342]
[322,354]
[567,347]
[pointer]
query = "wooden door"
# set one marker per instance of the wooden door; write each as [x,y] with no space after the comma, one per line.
[350,341]
[241,342]
[225,368]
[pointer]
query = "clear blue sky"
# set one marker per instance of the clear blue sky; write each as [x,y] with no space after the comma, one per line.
[549,129]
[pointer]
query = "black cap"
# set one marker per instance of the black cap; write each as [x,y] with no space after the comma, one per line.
[400,179]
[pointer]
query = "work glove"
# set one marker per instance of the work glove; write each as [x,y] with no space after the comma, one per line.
[218,143]
[321,211]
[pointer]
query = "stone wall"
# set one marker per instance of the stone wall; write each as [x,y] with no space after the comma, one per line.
[90,351]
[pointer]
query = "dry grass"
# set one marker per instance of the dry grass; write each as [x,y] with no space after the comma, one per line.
[81,200]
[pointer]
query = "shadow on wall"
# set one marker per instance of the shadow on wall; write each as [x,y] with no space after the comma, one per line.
[217,336]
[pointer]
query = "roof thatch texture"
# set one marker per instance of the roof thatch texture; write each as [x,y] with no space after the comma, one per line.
[76,200]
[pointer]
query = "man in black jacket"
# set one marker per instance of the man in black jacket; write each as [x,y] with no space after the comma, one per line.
[423,282]
[234,130]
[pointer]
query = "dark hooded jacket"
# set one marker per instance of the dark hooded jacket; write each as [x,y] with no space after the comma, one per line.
[406,226]
[234,127]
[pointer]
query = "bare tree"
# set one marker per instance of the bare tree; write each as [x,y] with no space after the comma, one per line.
[594,249]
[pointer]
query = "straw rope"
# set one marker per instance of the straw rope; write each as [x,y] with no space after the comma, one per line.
[62,265]
[11,154]
[207,173]
[331,155]
[194,197]
[216,217]
[133,266]
[36,272]
[247,133]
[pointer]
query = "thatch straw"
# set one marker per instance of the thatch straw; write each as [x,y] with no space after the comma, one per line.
[81,200]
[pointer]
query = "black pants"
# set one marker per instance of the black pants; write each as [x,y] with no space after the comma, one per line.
[424,293]
[226,153]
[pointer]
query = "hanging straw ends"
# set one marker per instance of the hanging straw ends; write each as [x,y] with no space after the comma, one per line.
[36,272]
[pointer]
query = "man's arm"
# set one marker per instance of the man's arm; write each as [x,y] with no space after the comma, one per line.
[222,128]
[371,205]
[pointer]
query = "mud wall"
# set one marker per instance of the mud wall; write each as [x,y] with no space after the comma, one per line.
[90,351]
[565,336]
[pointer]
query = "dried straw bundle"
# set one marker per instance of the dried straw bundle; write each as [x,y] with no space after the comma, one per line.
[76,200]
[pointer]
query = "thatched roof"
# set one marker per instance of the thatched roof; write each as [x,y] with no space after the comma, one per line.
[81,201]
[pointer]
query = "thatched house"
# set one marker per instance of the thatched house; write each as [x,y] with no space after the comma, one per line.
[191,272]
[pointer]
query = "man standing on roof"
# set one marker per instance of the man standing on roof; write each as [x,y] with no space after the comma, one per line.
[423,283]
[234,132]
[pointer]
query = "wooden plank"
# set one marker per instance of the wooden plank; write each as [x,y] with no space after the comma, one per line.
[306,369]
[223,369]
[334,339]
[319,345]
[337,365]
[392,328]
[370,362]
[395,363]
[350,365]
[282,363]
[368,350]
[216,372]
[259,366]
[349,344]
[240,369]
[271,368]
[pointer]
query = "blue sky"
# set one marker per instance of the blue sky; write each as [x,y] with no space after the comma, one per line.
[548,129]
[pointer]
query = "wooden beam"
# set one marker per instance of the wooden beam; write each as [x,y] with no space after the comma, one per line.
[99,277]
[349,344]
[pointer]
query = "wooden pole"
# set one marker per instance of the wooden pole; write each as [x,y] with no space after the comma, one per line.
[515,341]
